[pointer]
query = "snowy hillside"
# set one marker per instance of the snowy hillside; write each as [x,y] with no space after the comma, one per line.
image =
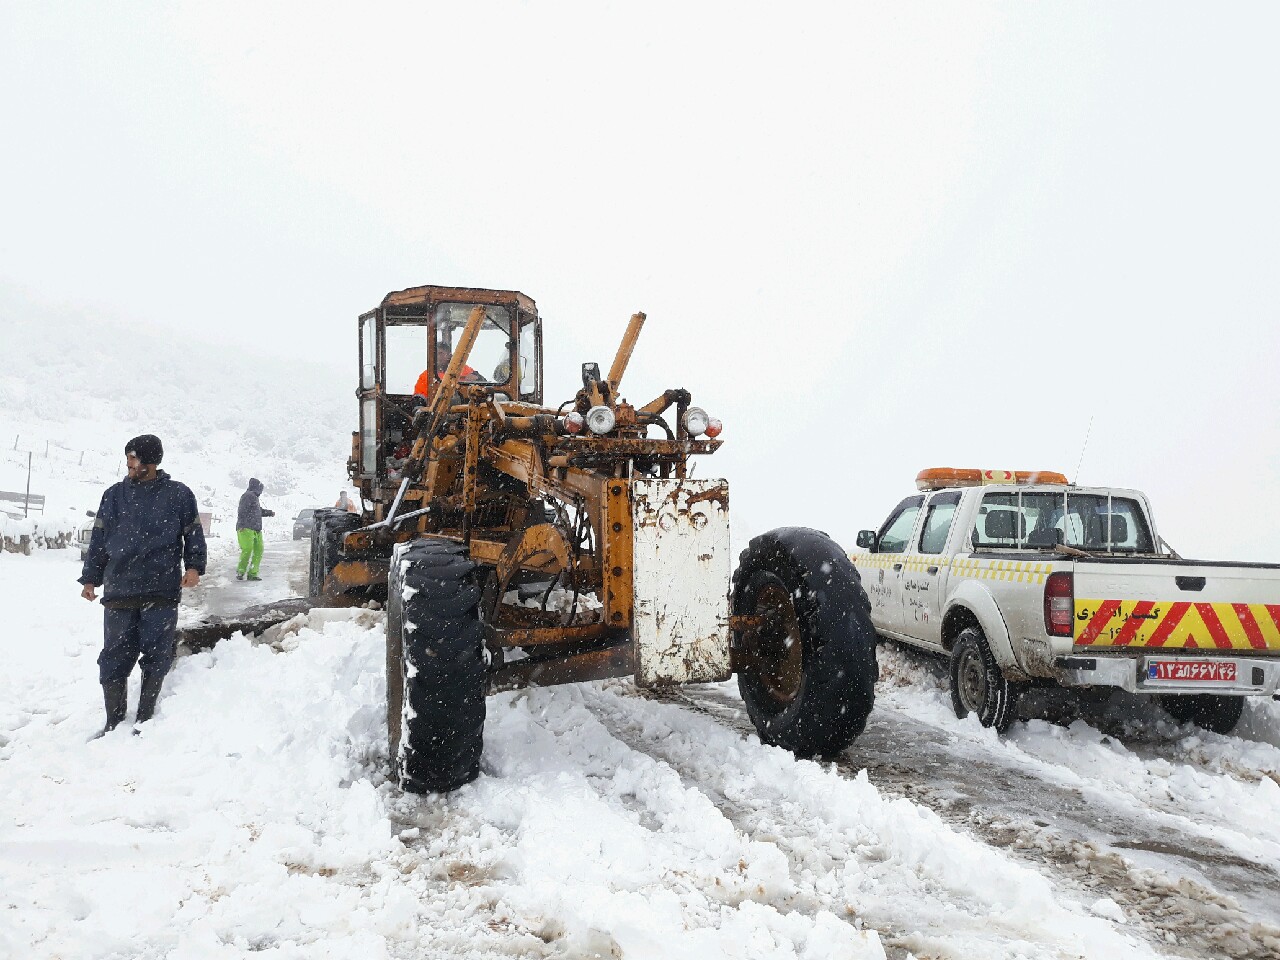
[72,401]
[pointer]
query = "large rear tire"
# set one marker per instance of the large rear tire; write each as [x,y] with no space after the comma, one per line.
[436,673]
[807,667]
[977,684]
[1211,711]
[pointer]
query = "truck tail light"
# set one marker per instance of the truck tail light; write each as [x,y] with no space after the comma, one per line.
[1059,605]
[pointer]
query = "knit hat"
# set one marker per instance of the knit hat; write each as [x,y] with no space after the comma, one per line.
[147,448]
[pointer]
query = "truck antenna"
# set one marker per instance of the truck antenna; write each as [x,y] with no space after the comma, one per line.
[1084,446]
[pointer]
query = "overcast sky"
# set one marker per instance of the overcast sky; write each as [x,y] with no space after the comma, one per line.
[872,238]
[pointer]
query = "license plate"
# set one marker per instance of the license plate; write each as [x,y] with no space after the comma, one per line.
[1192,671]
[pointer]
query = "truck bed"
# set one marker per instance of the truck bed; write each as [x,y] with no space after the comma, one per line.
[1174,604]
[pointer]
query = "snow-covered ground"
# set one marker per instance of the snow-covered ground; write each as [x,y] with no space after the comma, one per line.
[253,815]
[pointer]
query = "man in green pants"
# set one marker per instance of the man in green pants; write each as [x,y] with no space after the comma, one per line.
[249,530]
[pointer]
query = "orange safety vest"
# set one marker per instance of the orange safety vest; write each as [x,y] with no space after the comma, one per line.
[423,386]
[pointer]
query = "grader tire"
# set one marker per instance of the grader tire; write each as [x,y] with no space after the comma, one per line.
[436,673]
[327,531]
[315,569]
[807,672]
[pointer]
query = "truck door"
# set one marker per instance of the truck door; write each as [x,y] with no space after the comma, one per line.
[884,581]
[924,578]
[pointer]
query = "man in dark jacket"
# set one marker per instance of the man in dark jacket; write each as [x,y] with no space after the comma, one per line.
[146,530]
[249,530]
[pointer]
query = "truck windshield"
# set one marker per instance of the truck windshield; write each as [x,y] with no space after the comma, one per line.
[1086,521]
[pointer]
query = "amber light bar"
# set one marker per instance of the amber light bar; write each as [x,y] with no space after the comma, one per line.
[936,478]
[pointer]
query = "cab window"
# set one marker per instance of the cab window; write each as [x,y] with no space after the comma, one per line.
[406,341]
[937,522]
[897,529]
[409,345]
[490,357]
[1040,520]
[529,373]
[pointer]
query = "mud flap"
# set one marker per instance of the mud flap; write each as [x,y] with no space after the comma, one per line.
[681,568]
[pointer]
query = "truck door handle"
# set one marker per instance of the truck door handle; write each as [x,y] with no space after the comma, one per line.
[897,566]
[932,569]
[1189,583]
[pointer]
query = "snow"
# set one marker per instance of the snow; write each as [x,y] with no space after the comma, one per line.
[254,813]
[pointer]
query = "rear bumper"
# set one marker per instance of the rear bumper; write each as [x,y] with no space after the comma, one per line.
[1255,676]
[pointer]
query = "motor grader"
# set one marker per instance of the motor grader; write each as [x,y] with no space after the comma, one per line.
[520,544]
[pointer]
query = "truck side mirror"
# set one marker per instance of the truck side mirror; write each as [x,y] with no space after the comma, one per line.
[91,513]
[867,539]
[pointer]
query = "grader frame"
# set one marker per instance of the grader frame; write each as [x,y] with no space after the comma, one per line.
[580,500]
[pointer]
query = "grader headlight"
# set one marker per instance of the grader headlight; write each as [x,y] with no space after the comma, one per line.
[573,422]
[600,420]
[696,421]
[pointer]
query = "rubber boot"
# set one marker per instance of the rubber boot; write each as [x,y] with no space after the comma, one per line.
[151,683]
[115,696]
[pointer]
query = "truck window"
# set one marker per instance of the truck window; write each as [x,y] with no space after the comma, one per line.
[897,529]
[999,523]
[1086,521]
[937,522]
[1097,522]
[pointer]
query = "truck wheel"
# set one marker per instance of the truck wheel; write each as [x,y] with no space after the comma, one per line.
[1211,711]
[436,674]
[978,686]
[807,669]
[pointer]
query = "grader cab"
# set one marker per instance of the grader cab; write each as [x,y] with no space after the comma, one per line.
[520,544]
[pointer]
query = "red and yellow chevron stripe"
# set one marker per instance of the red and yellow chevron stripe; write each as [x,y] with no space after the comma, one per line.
[1177,624]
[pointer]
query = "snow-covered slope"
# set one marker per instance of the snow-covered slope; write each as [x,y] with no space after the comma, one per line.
[73,391]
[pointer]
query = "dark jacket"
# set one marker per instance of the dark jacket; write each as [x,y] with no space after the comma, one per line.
[250,514]
[143,536]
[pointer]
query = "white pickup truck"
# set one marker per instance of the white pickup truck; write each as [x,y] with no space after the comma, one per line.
[1023,579]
